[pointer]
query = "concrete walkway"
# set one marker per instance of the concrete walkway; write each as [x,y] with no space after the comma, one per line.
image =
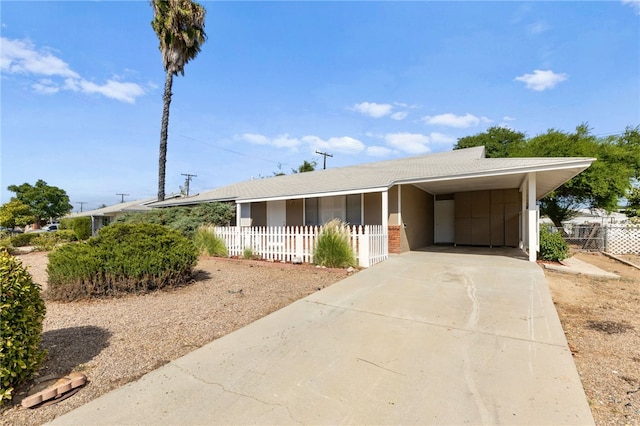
[422,338]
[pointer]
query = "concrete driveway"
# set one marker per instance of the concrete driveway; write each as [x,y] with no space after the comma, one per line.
[443,337]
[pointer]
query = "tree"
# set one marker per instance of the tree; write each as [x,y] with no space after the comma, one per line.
[306,166]
[179,25]
[499,142]
[45,201]
[633,203]
[15,213]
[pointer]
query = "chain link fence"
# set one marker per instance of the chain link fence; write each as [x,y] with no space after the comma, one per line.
[614,239]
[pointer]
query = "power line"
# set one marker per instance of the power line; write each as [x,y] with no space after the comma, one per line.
[232,151]
[82,203]
[188,180]
[123,195]
[325,155]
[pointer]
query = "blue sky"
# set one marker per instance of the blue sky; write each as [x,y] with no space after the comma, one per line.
[82,82]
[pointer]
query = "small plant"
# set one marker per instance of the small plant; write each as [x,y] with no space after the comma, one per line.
[209,243]
[80,226]
[247,253]
[552,246]
[21,240]
[22,311]
[333,249]
[47,241]
[123,258]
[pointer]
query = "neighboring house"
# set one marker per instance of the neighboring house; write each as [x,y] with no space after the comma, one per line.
[105,215]
[456,197]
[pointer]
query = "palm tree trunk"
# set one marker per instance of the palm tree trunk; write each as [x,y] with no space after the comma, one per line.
[164,134]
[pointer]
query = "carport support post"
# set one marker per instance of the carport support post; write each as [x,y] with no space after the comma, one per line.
[532,216]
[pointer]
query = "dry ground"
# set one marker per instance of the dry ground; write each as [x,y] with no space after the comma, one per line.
[601,319]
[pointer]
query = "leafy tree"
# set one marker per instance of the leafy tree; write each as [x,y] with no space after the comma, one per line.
[45,201]
[498,141]
[633,203]
[179,25]
[306,166]
[15,213]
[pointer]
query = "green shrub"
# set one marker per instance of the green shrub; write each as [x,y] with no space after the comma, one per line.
[209,243]
[21,240]
[332,248]
[552,246]
[47,241]
[81,226]
[5,245]
[123,258]
[185,219]
[22,311]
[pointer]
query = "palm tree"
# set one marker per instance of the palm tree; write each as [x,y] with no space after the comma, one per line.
[179,25]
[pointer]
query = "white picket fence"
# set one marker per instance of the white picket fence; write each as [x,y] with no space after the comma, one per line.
[286,243]
[612,238]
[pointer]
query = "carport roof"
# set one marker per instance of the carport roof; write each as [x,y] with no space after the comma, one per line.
[440,173]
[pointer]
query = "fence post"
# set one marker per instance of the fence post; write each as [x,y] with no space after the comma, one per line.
[363,249]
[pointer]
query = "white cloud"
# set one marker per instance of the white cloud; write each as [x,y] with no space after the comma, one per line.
[441,138]
[344,144]
[452,120]
[45,86]
[541,80]
[21,57]
[412,143]
[378,151]
[284,141]
[538,27]
[253,138]
[400,115]
[373,109]
[635,4]
[507,118]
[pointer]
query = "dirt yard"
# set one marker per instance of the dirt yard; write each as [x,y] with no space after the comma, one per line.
[101,338]
[601,319]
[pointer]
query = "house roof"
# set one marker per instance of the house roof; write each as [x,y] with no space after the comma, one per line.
[440,173]
[129,206]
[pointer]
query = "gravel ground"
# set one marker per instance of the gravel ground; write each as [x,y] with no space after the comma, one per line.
[101,338]
[117,341]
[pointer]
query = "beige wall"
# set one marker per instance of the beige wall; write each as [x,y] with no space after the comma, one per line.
[259,214]
[373,208]
[393,206]
[295,212]
[417,215]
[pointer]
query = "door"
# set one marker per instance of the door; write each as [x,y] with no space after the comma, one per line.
[444,221]
[277,213]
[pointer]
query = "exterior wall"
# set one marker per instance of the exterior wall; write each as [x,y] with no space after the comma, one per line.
[373,208]
[394,217]
[295,212]
[417,217]
[259,214]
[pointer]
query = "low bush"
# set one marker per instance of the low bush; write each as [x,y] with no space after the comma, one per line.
[552,246]
[332,248]
[247,253]
[122,259]
[187,220]
[21,240]
[5,245]
[81,226]
[209,243]
[47,241]
[22,311]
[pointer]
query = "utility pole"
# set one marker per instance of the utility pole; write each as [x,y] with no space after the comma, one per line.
[188,180]
[82,203]
[325,155]
[123,195]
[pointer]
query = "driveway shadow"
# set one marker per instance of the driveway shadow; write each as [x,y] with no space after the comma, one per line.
[70,347]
